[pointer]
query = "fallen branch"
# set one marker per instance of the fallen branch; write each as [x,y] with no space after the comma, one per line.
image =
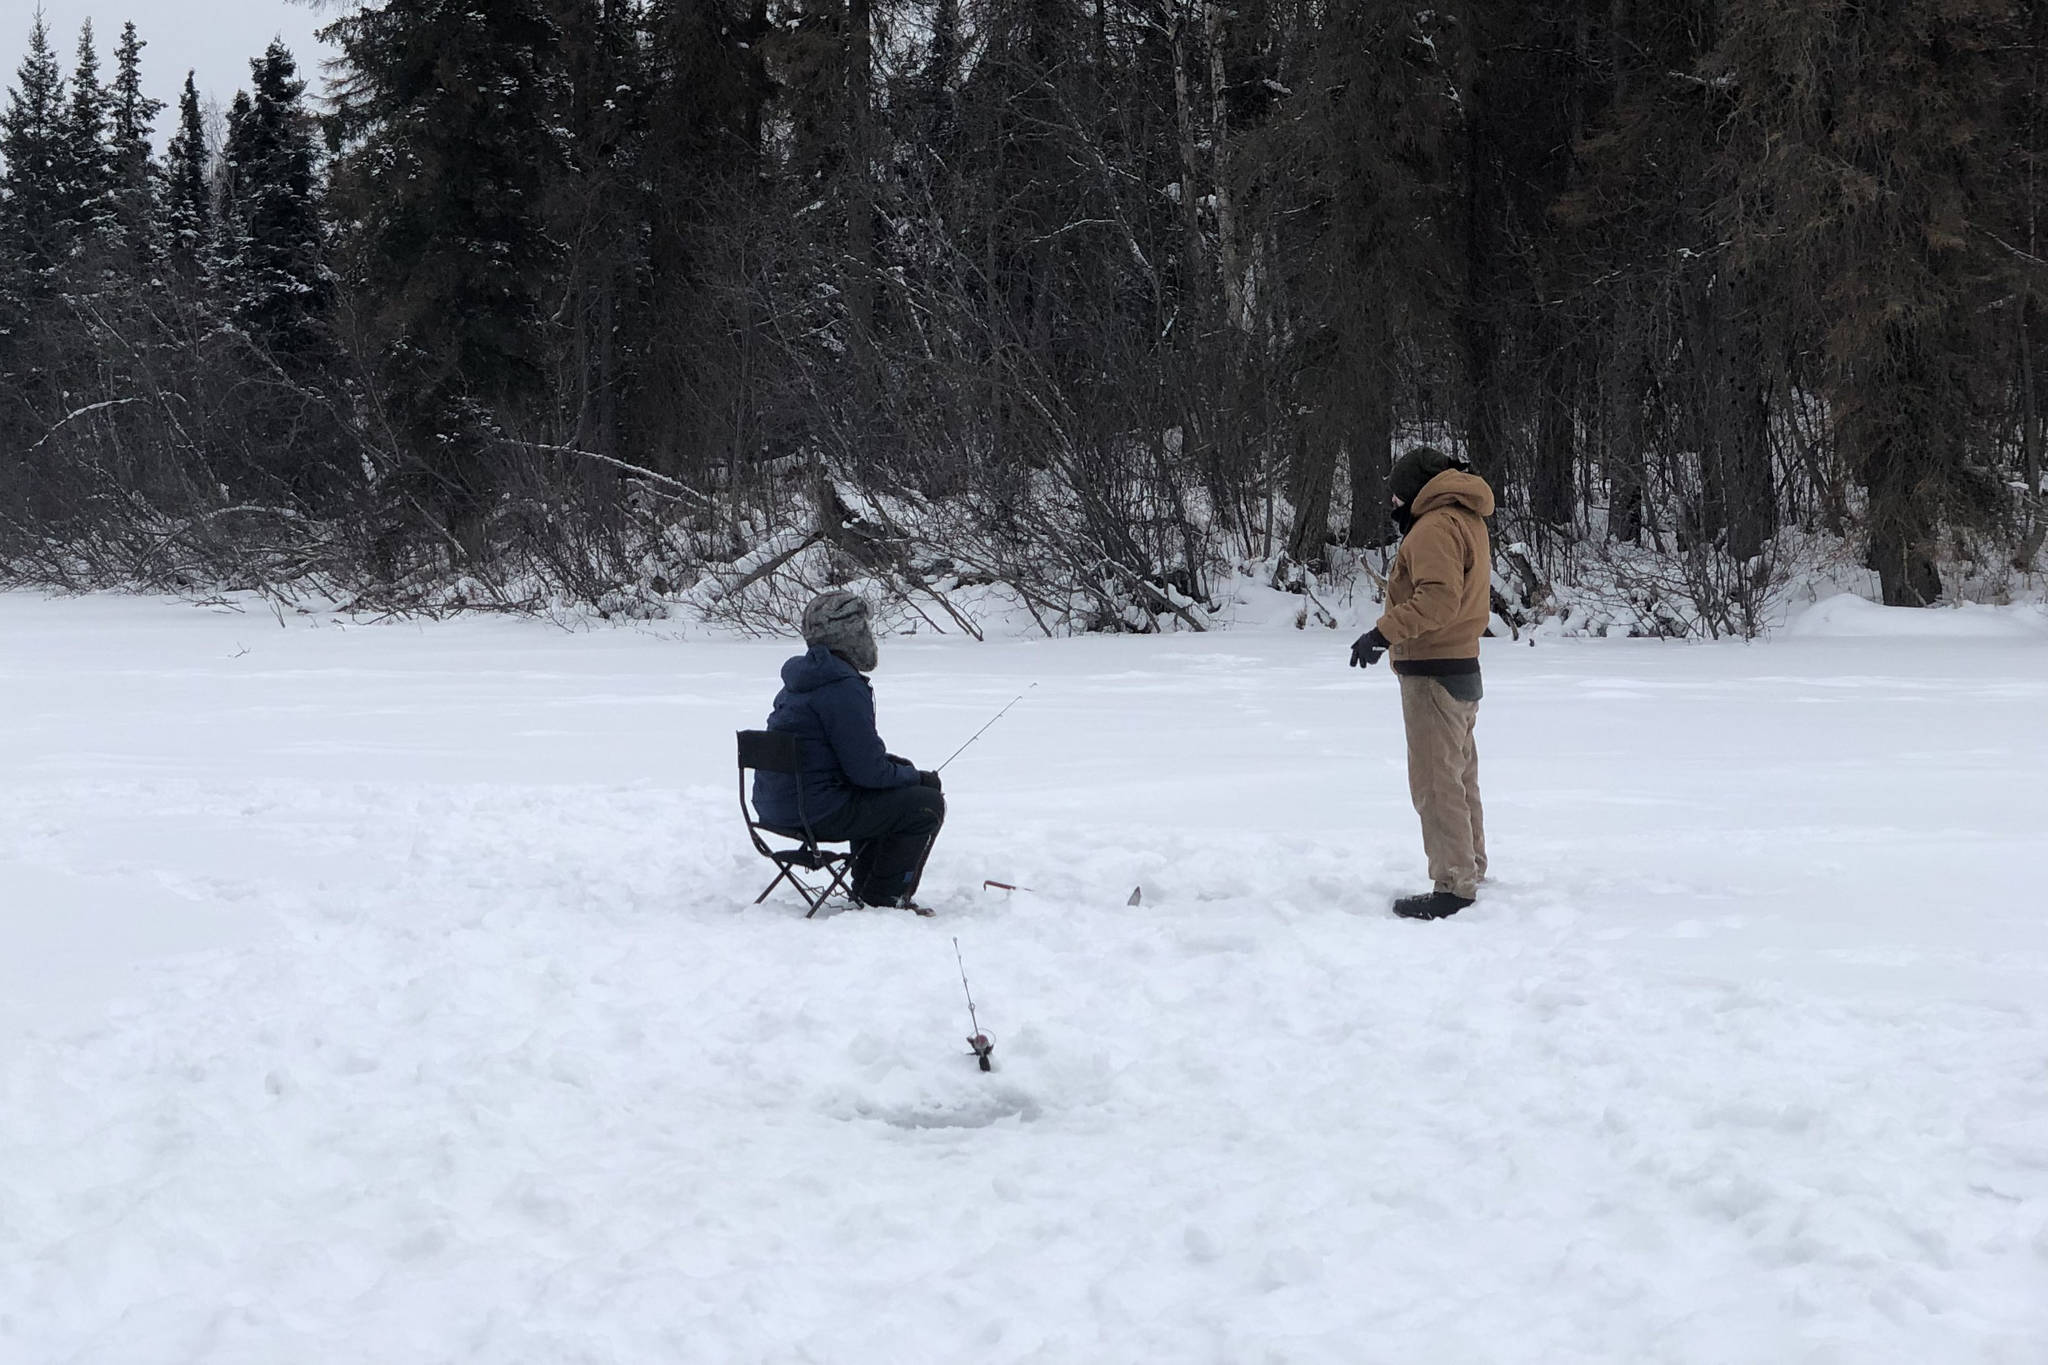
[761,571]
[1194,622]
[616,463]
[85,411]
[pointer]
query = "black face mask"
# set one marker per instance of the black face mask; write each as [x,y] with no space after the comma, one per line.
[1404,519]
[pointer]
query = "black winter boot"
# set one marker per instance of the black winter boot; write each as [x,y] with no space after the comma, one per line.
[893,903]
[1431,905]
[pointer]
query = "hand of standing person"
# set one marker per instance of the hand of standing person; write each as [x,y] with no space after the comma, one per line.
[1367,648]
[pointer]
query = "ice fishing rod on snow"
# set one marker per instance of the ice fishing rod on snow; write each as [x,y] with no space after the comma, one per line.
[983,730]
[982,1044]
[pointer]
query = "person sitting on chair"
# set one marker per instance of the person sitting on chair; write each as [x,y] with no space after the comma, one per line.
[854,790]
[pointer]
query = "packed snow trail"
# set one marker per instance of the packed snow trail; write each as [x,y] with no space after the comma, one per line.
[392,993]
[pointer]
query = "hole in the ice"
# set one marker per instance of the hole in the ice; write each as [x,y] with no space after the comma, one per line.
[978,1112]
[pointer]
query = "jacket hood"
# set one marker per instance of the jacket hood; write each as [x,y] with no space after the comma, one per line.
[818,668]
[1455,488]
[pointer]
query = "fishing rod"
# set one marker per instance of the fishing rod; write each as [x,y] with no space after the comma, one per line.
[984,729]
[982,1044]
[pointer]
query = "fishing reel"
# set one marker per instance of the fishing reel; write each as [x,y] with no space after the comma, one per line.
[980,1045]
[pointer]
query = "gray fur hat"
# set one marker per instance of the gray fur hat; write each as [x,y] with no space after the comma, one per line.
[840,622]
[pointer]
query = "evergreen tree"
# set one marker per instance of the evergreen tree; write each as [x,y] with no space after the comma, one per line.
[187,200]
[134,170]
[230,223]
[274,250]
[1867,161]
[227,181]
[702,90]
[445,106]
[2020,228]
[1685,363]
[1366,193]
[33,244]
[87,171]
[33,225]
[596,208]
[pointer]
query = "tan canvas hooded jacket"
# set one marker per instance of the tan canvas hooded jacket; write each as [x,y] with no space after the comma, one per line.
[1440,590]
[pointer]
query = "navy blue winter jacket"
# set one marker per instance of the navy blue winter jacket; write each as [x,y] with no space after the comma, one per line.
[830,708]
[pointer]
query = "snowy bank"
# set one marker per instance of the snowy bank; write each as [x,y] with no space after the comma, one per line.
[1847,616]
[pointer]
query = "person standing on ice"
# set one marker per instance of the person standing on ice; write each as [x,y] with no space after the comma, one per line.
[854,790]
[1438,596]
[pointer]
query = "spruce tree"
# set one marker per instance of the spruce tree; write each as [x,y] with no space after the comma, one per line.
[87,171]
[133,117]
[33,239]
[597,209]
[223,254]
[702,89]
[33,226]
[274,249]
[1366,181]
[1681,368]
[187,200]
[1866,142]
[445,106]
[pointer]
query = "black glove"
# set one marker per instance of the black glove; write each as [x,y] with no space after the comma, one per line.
[1367,648]
[931,780]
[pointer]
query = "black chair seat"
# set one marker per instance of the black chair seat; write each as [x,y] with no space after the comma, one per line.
[815,859]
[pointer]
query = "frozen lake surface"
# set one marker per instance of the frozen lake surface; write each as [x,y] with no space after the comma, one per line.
[392,993]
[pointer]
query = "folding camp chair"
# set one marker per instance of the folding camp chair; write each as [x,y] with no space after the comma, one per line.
[771,751]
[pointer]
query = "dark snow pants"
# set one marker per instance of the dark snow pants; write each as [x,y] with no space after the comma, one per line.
[891,832]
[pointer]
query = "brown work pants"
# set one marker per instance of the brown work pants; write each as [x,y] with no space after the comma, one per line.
[1443,780]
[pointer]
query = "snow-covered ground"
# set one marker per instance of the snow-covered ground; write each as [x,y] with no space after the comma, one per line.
[392,994]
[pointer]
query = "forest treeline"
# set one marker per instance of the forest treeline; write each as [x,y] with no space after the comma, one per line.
[1096,299]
